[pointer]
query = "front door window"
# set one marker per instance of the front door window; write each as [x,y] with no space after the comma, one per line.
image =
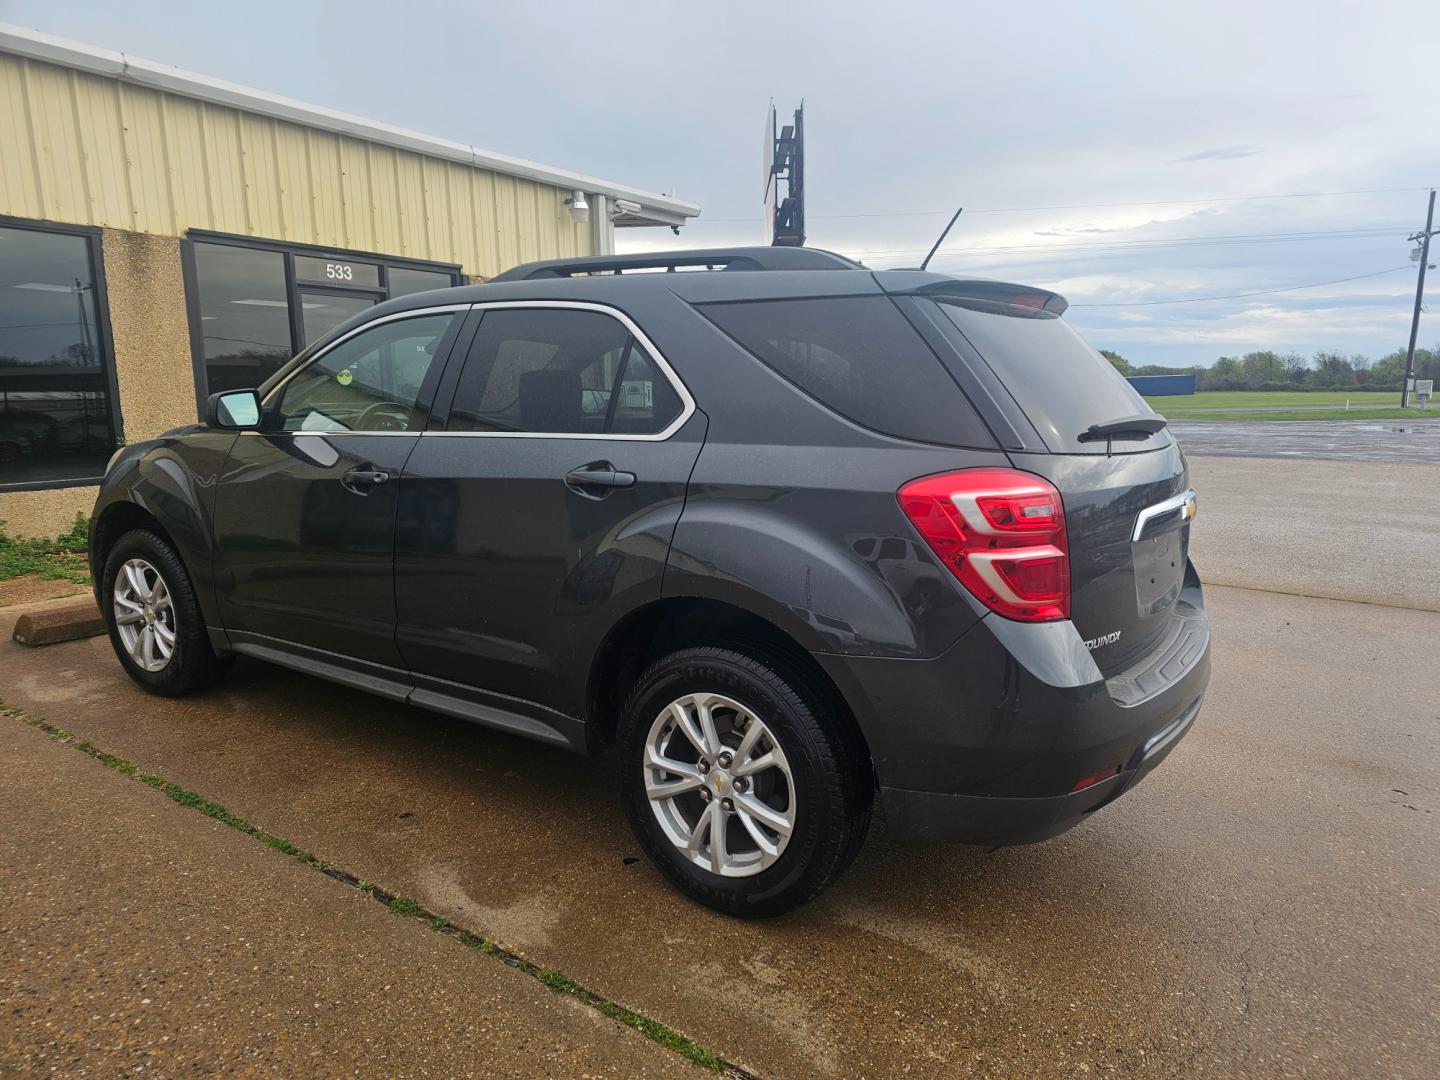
[372,381]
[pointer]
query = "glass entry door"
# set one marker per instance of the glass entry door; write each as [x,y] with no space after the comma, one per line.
[321,310]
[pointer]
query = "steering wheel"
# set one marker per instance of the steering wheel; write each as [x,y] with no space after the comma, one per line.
[384,416]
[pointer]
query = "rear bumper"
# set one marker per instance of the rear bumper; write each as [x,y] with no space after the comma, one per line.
[986,743]
[1001,820]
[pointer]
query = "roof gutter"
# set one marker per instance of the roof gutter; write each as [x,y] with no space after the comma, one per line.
[654,208]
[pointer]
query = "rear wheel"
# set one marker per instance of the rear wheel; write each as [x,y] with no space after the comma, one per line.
[737,787]
[156,627]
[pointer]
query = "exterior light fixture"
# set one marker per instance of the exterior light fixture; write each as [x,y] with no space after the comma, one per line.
[579,208]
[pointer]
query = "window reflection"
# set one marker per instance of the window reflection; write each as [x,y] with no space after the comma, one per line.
[404,281]
[250,317]
[244,315]
[55,415]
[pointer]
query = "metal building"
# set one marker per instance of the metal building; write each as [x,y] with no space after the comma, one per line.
[164,235]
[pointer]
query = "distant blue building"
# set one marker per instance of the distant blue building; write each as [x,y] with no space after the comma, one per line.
[1163,385]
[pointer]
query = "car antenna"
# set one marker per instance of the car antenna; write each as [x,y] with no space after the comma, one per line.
[941,240]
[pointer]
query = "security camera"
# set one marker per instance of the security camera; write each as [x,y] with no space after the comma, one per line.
[625,206]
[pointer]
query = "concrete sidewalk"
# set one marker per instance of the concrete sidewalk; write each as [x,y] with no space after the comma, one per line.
[135,934]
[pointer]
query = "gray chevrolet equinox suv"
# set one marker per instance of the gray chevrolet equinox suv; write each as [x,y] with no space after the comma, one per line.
[795,536]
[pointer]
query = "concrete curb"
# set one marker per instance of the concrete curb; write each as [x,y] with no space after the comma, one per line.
[64,621]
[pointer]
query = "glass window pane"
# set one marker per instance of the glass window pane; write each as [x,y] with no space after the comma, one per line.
[55,415]
[645,402]
[547,370]
[404,281]
[244,315]
[370,382]
[1060,381]
[860,357]
[321,312]
[335,270]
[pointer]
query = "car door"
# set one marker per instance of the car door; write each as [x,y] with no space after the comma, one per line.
[542,510]
[305,508]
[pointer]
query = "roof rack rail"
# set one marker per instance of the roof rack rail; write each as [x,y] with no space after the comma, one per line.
[736,258]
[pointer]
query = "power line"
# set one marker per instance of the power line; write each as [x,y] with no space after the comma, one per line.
[1369,232]
[1081,206]
[1241,296]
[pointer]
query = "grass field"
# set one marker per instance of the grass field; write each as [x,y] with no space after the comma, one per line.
[1241,399]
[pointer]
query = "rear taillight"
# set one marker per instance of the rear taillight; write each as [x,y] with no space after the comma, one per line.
[1002,533]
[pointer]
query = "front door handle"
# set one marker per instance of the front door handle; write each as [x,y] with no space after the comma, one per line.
[598,479]
[362,478]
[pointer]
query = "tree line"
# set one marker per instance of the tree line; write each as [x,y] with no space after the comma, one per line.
[1291,371]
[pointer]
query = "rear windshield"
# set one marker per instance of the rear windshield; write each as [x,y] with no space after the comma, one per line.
[860,357]
[1062,383]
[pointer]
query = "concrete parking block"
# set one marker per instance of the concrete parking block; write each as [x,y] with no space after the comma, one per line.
[61,620]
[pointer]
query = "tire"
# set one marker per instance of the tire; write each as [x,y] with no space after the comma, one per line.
[171,608]
[819,781]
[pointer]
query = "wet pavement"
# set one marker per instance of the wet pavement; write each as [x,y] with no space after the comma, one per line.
[1343,529]
[1263,904]
[137,938]
[1412,441]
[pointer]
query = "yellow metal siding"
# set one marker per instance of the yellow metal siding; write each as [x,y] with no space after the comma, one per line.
[91,150]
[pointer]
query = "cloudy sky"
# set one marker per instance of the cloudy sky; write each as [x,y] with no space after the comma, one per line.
[1119,153]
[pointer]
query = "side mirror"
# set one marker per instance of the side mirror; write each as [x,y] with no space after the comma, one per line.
[238,410]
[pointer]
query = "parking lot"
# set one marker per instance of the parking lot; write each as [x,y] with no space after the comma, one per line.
[1408,441]
[1264,904]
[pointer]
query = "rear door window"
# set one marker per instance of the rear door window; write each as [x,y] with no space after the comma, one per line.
[861,358]
[560,371]
[1054,375]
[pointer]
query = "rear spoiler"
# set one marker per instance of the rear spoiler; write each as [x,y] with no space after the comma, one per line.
[939,287]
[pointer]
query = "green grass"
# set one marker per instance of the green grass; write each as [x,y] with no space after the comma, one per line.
[61,559]
[1240,399]
[1309,414]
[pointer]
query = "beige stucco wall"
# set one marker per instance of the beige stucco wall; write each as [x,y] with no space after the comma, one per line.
[43,513]
[150,333]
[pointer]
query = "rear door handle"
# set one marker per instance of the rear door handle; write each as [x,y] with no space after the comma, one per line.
[361,479]
[598,479]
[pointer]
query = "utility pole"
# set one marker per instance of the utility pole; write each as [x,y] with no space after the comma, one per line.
[1424,239]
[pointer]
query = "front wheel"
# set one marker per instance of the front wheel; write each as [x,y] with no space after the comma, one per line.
[740,790]
[155,623]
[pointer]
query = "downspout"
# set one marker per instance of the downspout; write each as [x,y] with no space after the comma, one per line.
[602,229]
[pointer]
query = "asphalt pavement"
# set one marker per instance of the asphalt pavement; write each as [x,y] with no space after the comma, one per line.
[1350,530]
[1264,904]
[1406,441]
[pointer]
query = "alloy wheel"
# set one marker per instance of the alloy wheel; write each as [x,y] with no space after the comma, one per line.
[719,785]
[144,615]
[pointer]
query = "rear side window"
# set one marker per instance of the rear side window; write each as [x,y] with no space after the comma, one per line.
[560,371]
[1061,383]
[860,357]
